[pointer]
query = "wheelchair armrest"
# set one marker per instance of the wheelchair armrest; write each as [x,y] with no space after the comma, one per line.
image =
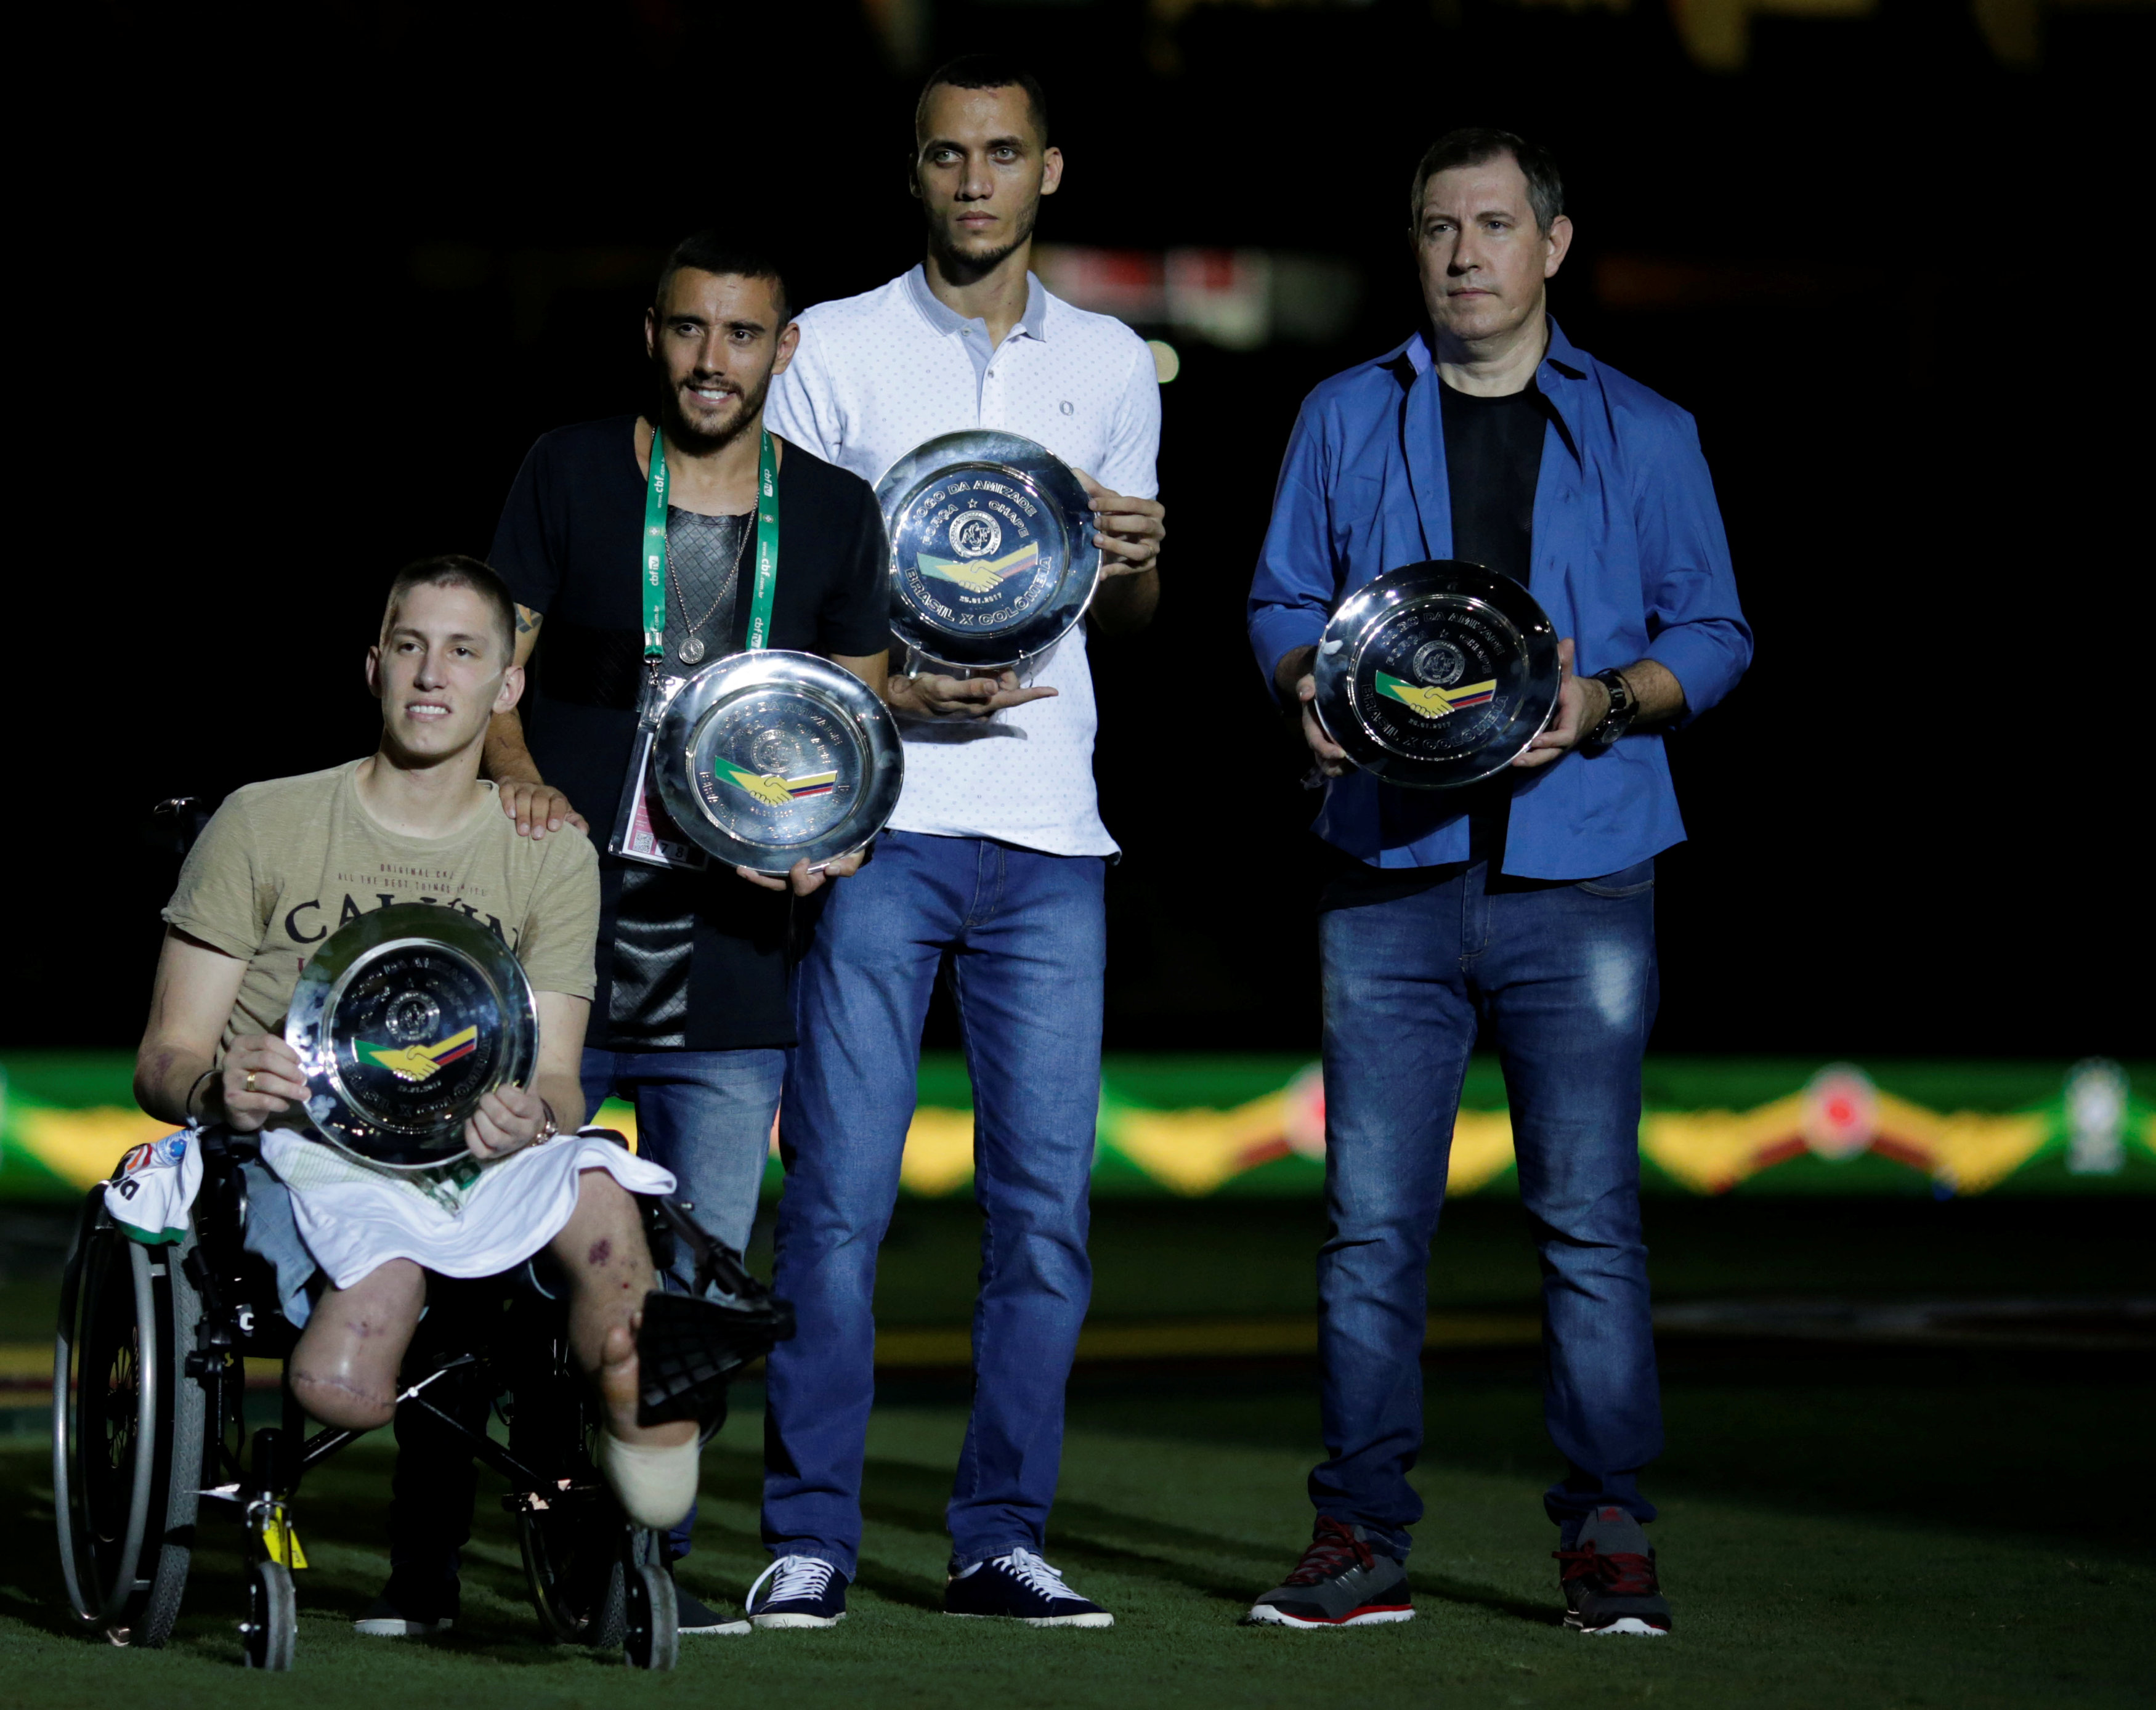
[718,1267]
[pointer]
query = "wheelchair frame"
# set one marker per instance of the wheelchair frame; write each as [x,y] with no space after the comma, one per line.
[148,1387]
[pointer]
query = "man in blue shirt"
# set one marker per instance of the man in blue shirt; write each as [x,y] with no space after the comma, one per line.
[1526,905]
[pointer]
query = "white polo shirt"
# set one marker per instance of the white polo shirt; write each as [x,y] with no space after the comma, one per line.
[877,374]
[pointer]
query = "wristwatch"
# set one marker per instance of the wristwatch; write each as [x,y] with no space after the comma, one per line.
[1624,707]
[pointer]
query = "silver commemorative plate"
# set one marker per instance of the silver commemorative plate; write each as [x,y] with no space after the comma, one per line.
[771,757]
[403,1020]
[991,553]
[1437,675]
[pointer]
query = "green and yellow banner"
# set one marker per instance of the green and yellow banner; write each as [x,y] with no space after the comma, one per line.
[1191,1126]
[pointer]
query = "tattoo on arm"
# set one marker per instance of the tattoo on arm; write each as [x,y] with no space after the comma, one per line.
[527,633]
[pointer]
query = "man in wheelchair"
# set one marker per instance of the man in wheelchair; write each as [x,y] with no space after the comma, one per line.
[279,868]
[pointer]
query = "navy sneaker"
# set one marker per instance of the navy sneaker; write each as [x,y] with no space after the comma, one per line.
[1340,1582]
[1608,1579]
[694,1616]
[407,1610]
[1020,1586]
[806,1591]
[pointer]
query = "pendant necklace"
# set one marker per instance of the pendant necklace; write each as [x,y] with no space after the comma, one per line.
[692,651]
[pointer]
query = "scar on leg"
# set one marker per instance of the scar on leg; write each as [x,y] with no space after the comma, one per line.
[601,1250]
[339,1385]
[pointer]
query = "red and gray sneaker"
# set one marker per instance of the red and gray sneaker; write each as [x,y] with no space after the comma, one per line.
[1608,1579]
[1340,1582]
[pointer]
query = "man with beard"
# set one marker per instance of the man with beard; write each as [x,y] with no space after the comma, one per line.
[692,1021]
[994,859]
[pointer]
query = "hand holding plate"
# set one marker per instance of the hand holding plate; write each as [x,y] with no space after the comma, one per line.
[508,1120]
[1581,702]
[1127,531]
[802,879]
[261,1079]
[1332,758]
[932,696]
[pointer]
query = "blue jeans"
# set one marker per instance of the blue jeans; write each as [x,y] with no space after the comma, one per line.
[1564,976]
[1026,936]
[706,1116]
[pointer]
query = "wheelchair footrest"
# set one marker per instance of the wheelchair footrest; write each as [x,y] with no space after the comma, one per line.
[689,1348]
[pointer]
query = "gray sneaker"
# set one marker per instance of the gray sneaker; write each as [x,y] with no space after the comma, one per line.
[1340,1582]
[1608,1579]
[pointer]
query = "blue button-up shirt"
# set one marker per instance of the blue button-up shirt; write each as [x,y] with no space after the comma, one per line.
[1629,560]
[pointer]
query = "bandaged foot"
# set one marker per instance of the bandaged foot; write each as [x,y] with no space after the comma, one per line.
[655,1485]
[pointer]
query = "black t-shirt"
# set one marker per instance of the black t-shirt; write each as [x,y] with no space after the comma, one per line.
[1493,462]
[702,958]
[1493,459]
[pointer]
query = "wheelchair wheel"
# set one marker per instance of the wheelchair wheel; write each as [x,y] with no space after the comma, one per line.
[271,1632]
[573,1562]
[127,1438]
[652,1638]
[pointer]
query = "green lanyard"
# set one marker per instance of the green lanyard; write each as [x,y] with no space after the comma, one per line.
[655,549]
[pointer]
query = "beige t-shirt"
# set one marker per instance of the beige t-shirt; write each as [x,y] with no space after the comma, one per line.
[285,864]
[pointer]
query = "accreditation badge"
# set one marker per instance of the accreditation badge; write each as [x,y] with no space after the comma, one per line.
[643,830]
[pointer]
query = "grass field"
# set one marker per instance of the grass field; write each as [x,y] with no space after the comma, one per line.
[1922,1527]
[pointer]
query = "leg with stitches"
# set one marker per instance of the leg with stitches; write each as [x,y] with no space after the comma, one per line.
[344,1369]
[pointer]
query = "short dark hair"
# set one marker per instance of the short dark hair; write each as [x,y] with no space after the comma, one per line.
[711,251]
[455,570]
[1477,145]
[984,71]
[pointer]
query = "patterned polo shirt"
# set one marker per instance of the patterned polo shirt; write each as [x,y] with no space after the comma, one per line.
[877,374]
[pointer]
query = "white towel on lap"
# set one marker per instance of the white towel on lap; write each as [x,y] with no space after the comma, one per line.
[462,1219]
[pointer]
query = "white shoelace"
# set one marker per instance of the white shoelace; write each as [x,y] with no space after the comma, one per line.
[1037,1575]
[797,1576]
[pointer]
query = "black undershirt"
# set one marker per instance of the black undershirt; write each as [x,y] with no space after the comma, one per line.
[1493,460]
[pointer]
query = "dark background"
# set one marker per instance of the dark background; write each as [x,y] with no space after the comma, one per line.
[301,287]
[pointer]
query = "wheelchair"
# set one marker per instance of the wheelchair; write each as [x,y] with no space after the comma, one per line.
[149,1374]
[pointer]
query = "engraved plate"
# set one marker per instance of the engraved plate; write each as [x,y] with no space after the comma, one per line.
[771,757]
[402,1021]
[1437,675]
[992,560]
